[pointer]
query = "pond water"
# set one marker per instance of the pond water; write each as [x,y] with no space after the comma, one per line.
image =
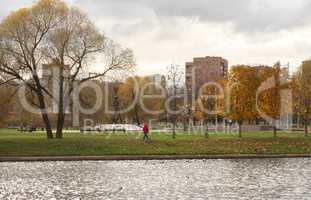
[182,179]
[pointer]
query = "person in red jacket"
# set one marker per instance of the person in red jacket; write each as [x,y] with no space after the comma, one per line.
[146,132]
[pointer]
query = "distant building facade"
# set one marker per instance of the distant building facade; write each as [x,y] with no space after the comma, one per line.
[50,79]
[157,80]
[203,70]
[284,71]
[306,68]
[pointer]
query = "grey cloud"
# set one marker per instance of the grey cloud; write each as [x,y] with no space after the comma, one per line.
[129,28]
[245,15]
[127,9]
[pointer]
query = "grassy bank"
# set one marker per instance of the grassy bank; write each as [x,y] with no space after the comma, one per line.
[13,143]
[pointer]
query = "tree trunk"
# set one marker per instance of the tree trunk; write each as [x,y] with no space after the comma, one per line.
[47,124]
[206,132]
[306,133]
[240,129]
[43,109]
[61,114]
[45,116]
[175,108]
[136,115]
[174,127]
[185,125]
[274,131]
[174,131]
[60,125]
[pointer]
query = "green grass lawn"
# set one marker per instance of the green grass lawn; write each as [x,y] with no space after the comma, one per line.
[13,143]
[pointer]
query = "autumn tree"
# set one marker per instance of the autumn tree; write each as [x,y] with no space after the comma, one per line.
[294,85]
[88,99]
[243,81]
[304,93]
[7,100]
[208,108]
[269,94]
[50,30]
[129,95]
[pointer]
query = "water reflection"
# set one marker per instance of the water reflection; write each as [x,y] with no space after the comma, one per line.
[183,179]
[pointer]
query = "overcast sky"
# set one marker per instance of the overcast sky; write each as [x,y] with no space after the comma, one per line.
[173,31]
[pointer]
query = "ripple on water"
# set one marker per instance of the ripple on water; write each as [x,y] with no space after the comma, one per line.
[181,179]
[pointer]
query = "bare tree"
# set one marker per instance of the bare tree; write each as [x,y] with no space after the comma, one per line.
[76,43]
[48,31]
[174,77]
[22,39]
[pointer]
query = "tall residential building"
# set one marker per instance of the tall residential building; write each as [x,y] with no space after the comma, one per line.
[50,79]
[204,70]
